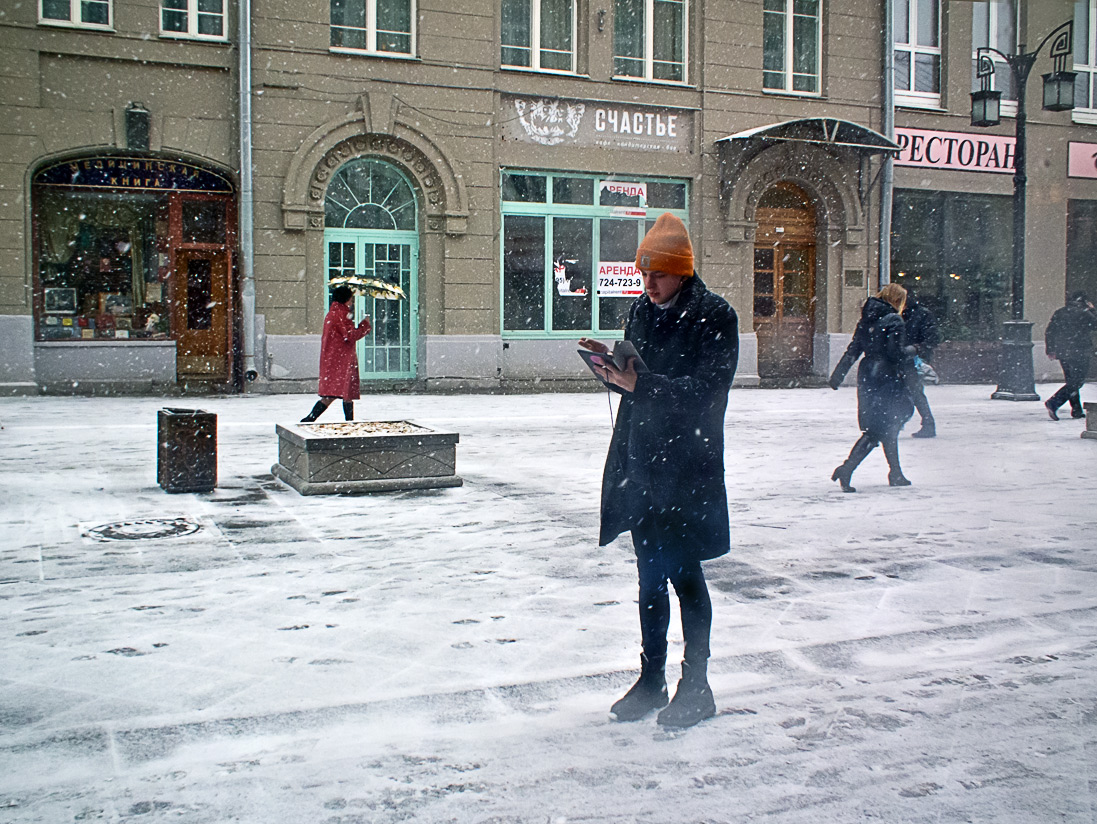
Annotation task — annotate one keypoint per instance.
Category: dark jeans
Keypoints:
(1074, 372)
(659, 561)
(917, 391)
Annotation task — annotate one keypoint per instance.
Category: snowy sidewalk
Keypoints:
(899, 655)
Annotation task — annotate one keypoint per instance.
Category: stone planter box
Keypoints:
(365, 456)
(1091, 421)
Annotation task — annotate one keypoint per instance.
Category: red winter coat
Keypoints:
(338, 358)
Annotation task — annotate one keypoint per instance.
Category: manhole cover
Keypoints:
(143, 530)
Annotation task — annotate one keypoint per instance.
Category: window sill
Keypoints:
(555, 72)
(193, 38)
(1086, 117)
(68, 24)
(365, 53)
(921, 105)
(787, 93)
(678, 84)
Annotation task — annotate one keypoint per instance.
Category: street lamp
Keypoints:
(1016, 381)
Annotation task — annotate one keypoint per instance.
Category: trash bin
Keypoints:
(186, 456)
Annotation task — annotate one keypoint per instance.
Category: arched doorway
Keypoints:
(784, 282)
(371, 230)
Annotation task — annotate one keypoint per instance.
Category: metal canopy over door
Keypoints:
(784, 283)
(371, 222)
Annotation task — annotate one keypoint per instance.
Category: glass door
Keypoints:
(388, 352)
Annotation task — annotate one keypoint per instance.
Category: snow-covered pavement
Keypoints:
(899, 655)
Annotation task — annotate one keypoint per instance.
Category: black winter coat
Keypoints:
(669, 435)
(921, 329)
(883, 402)
(1069, 335)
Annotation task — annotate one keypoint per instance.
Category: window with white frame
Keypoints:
(918, 52)
(1085, 61)
(539, 34)
(790, 45)
(91, 13)
(649, 39)
(994, 25)
(193, 18)
(375, 26)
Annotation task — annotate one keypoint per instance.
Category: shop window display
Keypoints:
(569, 248)
(101, 266)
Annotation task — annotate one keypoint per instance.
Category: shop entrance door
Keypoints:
(200, 314)
(784, 283)
(392, 256)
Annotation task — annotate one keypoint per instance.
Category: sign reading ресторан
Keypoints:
(552, 121)
(955, 150)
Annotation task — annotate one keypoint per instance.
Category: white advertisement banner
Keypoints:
(955, 150)
(552, 121)
(637, 190)
(619, 279)
(1082, 160)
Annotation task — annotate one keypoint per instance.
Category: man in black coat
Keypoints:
(921, 333)
(1069, 339)
(664, 474)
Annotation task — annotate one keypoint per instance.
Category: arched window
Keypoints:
(369, 194)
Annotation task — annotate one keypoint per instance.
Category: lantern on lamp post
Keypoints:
(1016, 380)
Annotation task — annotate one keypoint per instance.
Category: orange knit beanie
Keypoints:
(666, 248)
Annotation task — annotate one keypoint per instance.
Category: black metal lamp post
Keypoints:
(1016, 380)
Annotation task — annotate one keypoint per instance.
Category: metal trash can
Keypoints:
(186, 455)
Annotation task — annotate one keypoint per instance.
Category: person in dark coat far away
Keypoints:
(921, 333)
(1069, 339)
(338, 358)
(664, 474)
(883, 400)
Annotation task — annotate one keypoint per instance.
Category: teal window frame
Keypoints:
(549, 209)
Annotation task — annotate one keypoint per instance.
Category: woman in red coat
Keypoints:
(338, 358)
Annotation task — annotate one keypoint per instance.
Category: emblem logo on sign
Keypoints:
(549, 122)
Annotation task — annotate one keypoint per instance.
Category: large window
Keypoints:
(649, 39)
(193, 18)
(918, 52)
(378, 26)
(994, 24)
(790, 45)
(954, 253)
(569, 248)
(91, 13)
(539, 34)
(1085, 61)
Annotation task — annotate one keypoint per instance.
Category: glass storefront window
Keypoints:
(953, 252)
(102, 266)
(569, 248)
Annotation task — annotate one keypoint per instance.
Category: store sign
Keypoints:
(134, 173)
(619, 279)
(954, 150)
(1082, 160)
(637, 190)
(550, 121)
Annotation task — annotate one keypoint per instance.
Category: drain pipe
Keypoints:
(247, 209)
(888, 172)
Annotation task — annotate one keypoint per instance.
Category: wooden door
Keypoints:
(784, 283)
(200, 313)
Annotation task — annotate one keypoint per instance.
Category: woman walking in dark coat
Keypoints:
(883, 400)
(338, 357)
(664, 474)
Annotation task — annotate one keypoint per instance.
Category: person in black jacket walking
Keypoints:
(664, 473)
(1069, 339)
(921, 333)
(883, 400)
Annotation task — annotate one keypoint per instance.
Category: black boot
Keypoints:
(1051, 410)
(316, 412)
(928, 430)
(647, 694)
(860, 451)
(348, 410)
(693, 701)
(895, 472)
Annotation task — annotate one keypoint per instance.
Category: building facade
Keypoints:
(500, 161)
